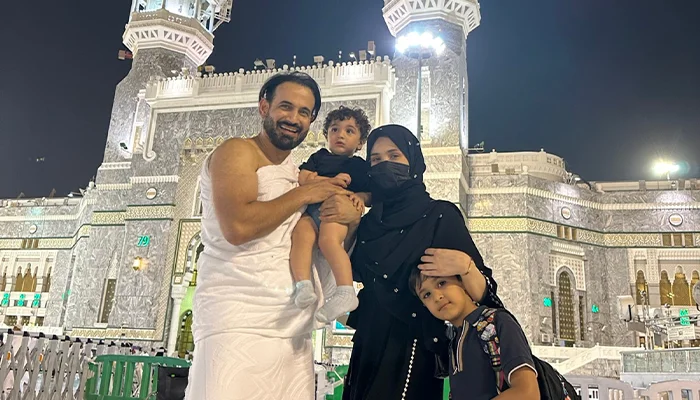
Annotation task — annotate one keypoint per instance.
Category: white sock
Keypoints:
(304, 294)
(343, 301)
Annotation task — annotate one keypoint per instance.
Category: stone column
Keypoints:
(178, 293)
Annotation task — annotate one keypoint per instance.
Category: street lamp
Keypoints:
(666, 168)
(420, 46)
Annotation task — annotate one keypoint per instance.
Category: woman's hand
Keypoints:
(340, 209)
(444, 262)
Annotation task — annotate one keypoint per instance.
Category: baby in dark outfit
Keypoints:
(346, 131)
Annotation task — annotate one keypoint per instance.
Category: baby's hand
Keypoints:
(345, 177)
(358, 203)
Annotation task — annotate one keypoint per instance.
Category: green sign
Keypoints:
(21, 302)
(144, 241)
(37, 300)
(547, 302)
(683, 312)
(595, 309)
(685, 321)
(5, 300)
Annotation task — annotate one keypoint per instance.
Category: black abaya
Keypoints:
(396, 338)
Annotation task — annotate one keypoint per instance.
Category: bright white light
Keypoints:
(663, 167)
(425, 41)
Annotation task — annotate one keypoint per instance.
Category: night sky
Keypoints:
(608, 85)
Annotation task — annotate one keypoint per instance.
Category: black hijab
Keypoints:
(401, 222)
(407, 204)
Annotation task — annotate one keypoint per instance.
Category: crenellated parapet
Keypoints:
(335, 80)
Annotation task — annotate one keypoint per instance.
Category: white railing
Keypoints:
(379, 72)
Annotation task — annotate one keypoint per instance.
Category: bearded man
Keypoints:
(251, 341)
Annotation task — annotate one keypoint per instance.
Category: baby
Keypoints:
(346, 131)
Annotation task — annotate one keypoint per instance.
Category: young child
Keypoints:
(471, 373)
(346, 131)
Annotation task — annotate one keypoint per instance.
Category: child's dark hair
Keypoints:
(416, 278)
(343, 113)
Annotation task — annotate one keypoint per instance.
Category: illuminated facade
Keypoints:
(121, 259)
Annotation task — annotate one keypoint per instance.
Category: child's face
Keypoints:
(344, 137)
(446, 298)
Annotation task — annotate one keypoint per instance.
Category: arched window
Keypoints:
(200, 248)
(695, 279)
(185, 340)
(681, 289)
(4, 279)
(28, 280)
(641, 286)
(665, 291)
(47, 282)
(18, 280)
(567, 321)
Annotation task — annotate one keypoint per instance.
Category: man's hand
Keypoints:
(345, 178)
(358, 203)
(340, 209)
(320, 191)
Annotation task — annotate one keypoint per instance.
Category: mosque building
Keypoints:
(120, 258)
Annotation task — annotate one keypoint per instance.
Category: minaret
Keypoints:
(444, 83)
(167, 38)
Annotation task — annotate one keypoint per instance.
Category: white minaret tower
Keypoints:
(164, 36)
(444, 73)
(432, 37)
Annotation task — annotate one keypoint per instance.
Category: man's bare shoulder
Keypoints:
(238, 151)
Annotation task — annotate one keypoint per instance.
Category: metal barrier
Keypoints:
(124, 377)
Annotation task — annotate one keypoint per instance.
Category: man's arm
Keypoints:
(306, 177)
(241, 217)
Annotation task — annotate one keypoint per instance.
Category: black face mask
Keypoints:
(388, 176)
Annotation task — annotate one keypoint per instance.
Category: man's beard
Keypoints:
(279, 139)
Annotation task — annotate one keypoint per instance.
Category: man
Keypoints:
(251, 341)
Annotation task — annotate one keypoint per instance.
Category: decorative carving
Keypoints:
(149, 212)
(108, 218)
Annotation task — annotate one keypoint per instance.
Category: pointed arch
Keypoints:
(19, 281)
(681, 288)
(567, 319)
(46, 287)
(665, 289)
(694, 279)
(641, 285)
(27, 279)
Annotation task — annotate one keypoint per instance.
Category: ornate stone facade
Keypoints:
(121, 258)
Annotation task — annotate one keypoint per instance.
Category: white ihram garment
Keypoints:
(251, 341)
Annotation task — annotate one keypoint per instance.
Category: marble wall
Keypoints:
(448, 80)
(148, 64)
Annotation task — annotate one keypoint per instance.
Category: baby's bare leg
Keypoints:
(303, 241)
(330, 241)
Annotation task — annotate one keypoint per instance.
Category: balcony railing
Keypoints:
(662, 361)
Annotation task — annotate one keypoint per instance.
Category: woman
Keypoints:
(398, 345)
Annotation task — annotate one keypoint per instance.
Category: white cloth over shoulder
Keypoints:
(248, 288)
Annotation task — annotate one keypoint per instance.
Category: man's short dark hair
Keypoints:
(268, 89)
(343, 113)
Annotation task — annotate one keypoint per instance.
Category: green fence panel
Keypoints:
(113, 376)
